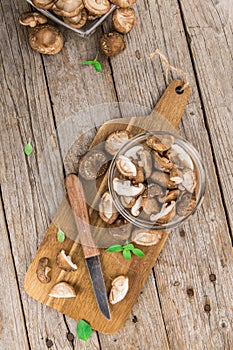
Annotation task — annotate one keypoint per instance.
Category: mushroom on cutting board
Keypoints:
(43, 270)
(46, 39)
(124, 20)
(120, 286)
(62, 290)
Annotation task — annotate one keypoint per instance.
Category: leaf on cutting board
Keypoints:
(115, 248)
(60, 236)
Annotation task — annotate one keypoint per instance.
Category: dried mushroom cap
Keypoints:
(112, 44)
(185, 204)
(93, 165)
(150, 205)
(166, 213)
(127, 202)
(120, 286)
(162, 163)
(163, 180)
(97, 7)
(145, 161)
(126, 167)
(91, 16)
(189, 182)
(43, 4)
(65, 263)
(125, 188)
(160, 143)
(176, 175)
(32, 19)
(107, 210)
(120, 229)
(124, 19)
(132, 153)
(180, 157)
(116, 140)
(123, 3)
(135, 210)
(42, 270)
(62, 290)
(67, 8)
(77, 21)
(46, 39)
(146, 237)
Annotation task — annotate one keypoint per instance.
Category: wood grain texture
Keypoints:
(12, 323)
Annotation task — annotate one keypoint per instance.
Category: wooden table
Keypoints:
(188, 300)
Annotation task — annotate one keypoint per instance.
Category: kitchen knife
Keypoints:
(77, 201)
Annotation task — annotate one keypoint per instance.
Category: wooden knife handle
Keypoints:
(77, 201)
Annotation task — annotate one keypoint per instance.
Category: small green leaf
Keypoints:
(97, 66)
(83, 330)
(129, 246)
(115, 248)
(126, 254)
(28, 149)
(60, 236)
(138, 252)
(88, 62)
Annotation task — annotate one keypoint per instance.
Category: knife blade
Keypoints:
(77, 201)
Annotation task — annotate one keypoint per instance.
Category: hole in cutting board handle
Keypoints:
(179, 91)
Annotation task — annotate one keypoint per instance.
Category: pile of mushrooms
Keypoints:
(46, 39)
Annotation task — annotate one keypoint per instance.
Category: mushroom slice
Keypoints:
(132, 152)
(32, 19)
(120, 286)
(176, 175)
(97, 7)
(162, 163)
(116, 140)
(126, 167)
(150, 205)
(43, 4)
(67, 8)
(160, 143)
(65, 263)
(135, 210)
(185, 204)
(107, 210)
(189, 182)
(46, 39)
(180, 157)
(62, 290)
(127, 202)
(123, 3)
(93, 165)
(172, 196)
(124, 20)
(146, 237)
(42, 270)
(155, 190)
(145, 161)
(166, 214)
(163, 180)
(112, 44)
(125, 188)
(77, 21)
(120, 229)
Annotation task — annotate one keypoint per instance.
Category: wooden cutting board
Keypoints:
(171, 107)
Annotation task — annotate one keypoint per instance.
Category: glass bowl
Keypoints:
(198, 174)
(87, 30)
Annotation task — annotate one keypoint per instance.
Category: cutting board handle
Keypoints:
(77, 201)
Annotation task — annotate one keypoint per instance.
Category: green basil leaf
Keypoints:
(114, 248)
(129, 246)
(88, 62)
(97, 66)
(28, 149)
(60, 236)
(83, 330)
(126, 254)
(138, 252)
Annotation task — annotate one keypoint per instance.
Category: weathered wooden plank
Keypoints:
(25, 113)
(209, 28)
(13, 331)
(207, 241)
